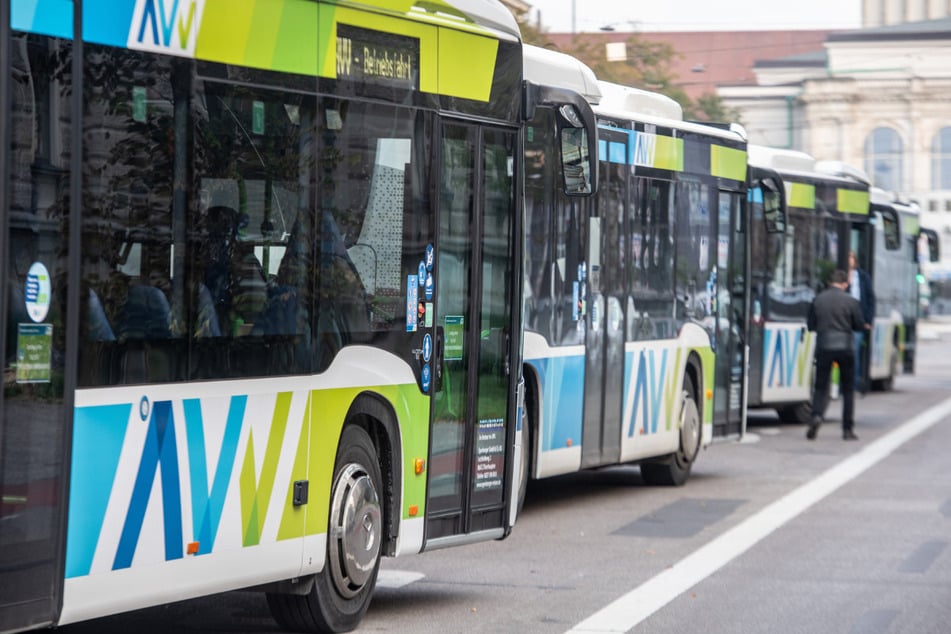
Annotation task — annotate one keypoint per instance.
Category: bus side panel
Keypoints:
(560, 373)
(788, 350)
(653, 393)
(887, 331)
(653, 380)
(180, 490)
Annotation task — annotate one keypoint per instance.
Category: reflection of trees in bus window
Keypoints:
(374, 202)
(696, 250)
(570, 268)
(539, 194)
(792, 287)
(651, 304)
(130, 223)
(193, 193)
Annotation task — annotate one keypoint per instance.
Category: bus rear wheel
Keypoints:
(674, 470)
(342, 590)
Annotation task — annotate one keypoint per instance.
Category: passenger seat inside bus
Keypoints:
(144, 321)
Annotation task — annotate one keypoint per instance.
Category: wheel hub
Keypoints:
(355, 535)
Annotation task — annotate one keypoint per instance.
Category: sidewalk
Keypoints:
(934, 327)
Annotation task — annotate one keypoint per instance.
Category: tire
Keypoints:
(342, 590)
(799, 413)
(674, 470)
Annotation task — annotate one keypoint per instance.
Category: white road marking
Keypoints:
(643, 601)
(395, 579)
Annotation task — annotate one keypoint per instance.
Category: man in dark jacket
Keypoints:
(834, 315)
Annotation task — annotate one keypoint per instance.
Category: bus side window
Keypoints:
(890, 230)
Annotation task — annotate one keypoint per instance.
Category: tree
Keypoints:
(646, 65)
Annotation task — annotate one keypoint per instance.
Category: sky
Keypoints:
(696, 15)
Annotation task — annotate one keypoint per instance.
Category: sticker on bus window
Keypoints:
(38, 292)
(412, 299)
(138, 104)
(257, 117)
(426, 377)
(34, 353)
(455, 336)
(490, 454)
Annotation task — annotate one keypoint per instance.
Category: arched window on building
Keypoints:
(941, 159)
(883, 158)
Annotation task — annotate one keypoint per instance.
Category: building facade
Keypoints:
(877, 98)
(889, 12)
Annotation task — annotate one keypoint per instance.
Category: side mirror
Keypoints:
(576, 160)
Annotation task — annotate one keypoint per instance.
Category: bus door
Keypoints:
(38, 365)
(473, 388)
(604, 334)
(730, 346)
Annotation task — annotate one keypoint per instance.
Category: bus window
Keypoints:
(890, 229)
(773, 208)
(652, 255)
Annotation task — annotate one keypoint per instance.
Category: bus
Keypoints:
(898, 244)
(633, 298)
(826, 214)
(261, 303)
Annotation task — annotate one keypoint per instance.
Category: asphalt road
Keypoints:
(772, 534)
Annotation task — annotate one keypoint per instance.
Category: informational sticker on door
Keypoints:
(455, 337)
(490, 454)
(412, 310)
(38, 292)
(34, 353)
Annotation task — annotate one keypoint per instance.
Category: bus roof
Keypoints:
(843, 170)
(488, 13)
(550, 68)
(881, 196)
(625, 98)
(781, 159)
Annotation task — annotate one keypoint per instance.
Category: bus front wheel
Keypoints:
(673, 470)
(342, 590)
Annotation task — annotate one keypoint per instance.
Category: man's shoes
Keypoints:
(813, 427)
(848, 434)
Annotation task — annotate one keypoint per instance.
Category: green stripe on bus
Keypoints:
(851, 201)
(727, 162)
(297, 39)
(910, 225)
(256, 492)
(284, 34)
(328, 411)
(292, 520)
(458, 76)
(801, 195)
(299, 36)
(669, 153)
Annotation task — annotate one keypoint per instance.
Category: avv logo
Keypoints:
(166, 26)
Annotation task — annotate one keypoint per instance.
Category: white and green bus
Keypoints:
(634, 299)
(825, 215)
(898, 243)
(260, 308)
